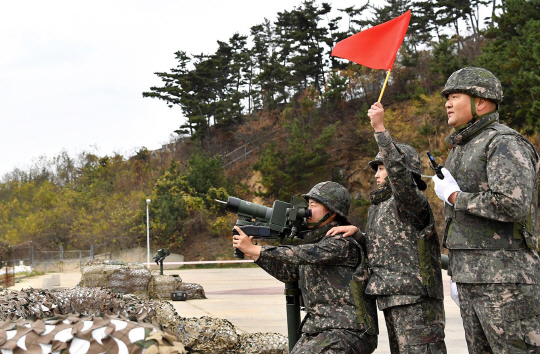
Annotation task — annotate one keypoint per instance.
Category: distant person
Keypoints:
(330, 270)
(490, 190)
(402, 248)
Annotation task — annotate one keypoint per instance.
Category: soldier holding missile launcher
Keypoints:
(332, 273)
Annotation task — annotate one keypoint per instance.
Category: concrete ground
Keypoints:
(253, 301)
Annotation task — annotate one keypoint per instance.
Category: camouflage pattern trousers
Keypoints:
(416, 328)
(501, 318)
(335, 341)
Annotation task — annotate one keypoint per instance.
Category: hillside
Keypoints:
(266, 117)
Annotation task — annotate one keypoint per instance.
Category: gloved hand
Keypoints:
(445, 187)
(453, 292)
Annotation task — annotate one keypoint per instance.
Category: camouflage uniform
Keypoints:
(404, 255)
(325, 268)
(491, 231)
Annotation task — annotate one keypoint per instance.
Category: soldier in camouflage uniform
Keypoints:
(331, 272)
(403, 248)
(490, 194)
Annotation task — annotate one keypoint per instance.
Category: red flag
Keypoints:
(377, 46)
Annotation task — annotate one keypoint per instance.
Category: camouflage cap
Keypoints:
(412, 161)
(475, 82)
(412, 157)
(333, 196)
(376, 162)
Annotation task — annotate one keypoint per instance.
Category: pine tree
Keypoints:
(514, 57)
(302, 38)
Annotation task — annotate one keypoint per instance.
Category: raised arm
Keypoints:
(404, 188)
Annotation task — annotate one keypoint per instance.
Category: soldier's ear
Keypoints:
(483, 105)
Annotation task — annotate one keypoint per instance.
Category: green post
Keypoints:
(444, 261)
(292, 298)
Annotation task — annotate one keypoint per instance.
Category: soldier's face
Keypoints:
(381, 174)
(317, 210)
(458, 108)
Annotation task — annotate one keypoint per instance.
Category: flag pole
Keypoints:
(384, 86)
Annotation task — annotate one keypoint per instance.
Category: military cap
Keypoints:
(333, 196)
(475, 82)
(412, 161)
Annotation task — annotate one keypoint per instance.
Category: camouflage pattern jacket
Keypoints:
(401, 242)
(492, 229)
(324, 268)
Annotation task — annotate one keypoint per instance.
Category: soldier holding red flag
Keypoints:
(401, 243)
(402, 248)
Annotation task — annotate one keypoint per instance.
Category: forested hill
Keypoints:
(271, 113)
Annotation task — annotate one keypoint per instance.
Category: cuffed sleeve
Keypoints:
(410, 201)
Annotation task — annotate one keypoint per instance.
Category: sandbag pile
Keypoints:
(135, 278)
(161, 286)
(124, 278)
(194, 291)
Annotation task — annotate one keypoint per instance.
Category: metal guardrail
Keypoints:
(200, 262)
(238, 154)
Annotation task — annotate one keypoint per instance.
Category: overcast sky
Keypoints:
(72, 72)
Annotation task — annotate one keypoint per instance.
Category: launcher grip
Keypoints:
(250, 230)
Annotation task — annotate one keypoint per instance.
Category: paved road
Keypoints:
(254, 302)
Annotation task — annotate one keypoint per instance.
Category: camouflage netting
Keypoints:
(74, 334)
(198, 335)
(194, 291)
(269, 343)
(39, 303)
(161, 286)
(125, 278)
(156, 273)
(135, 278)
(207, 334)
